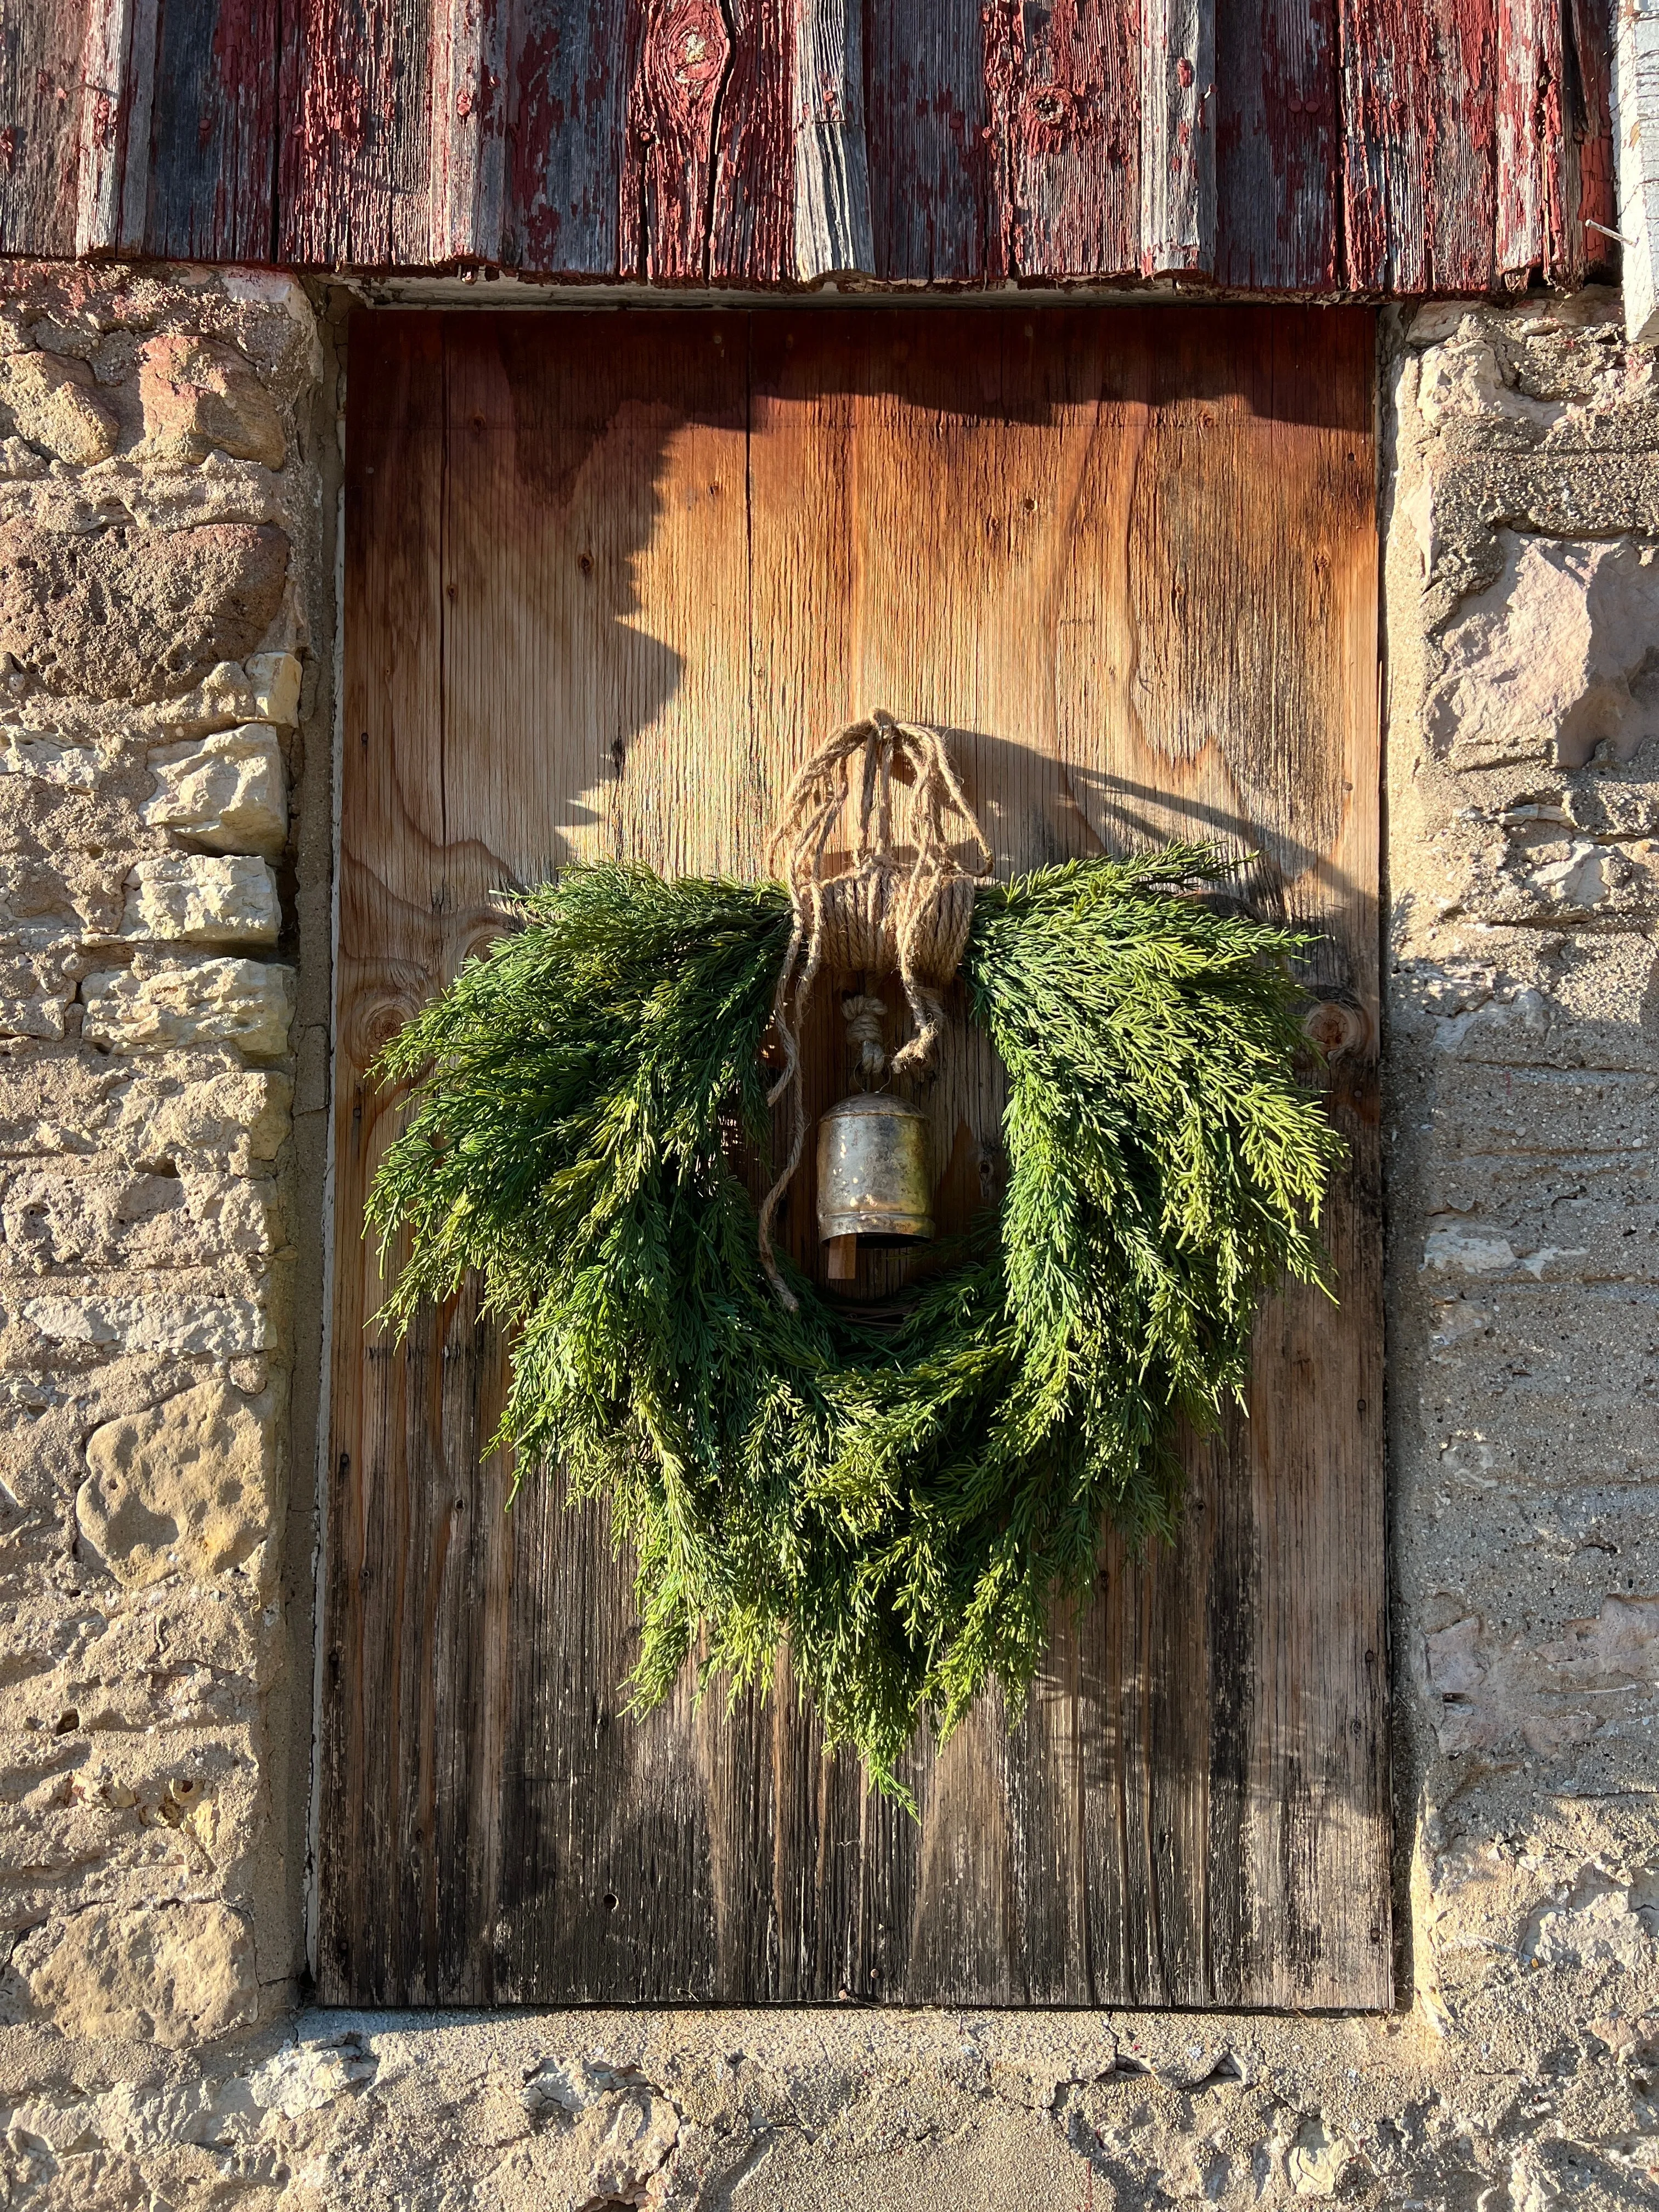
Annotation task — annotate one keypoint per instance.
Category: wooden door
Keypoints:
(609, 578)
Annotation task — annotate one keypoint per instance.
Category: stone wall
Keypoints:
(166, 522)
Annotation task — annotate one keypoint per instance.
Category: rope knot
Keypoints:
(878, 914)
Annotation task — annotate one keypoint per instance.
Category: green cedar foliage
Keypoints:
(897, 1503)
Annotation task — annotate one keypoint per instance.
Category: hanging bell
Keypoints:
(873, 1184)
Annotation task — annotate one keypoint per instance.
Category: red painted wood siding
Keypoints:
(1374, 147)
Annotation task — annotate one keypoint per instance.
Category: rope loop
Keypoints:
(878, 915)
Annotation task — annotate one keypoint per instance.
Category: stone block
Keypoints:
(242, 1120)
(245, 1003)
(72, 767)
(1554, 658)
(189, 899)
(199, 397)
(177, 1975)
(187, 1488)
(54, 404)
(265, 688)
(61, 1216)
(186, 1323)
(227, 792)
(137, 614)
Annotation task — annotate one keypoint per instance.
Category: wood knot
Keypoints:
(1337, 1028)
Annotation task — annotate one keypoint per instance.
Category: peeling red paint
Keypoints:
(1390, 146)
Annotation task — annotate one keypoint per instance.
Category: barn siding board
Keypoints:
(212, 142)
(926, 118)
(578, 548)
(1590, 143)
(751, 219)
(354, 172)
(1177, 138)
(42, 44)
(1463, 182)
(116, 99)
(572, 65)
(832, 157)
(1277, 147)
(1064, 105)
(1387, 71)
(1529, 205)
(685, 49)
(470, 97)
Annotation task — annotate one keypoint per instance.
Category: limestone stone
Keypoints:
(245, 1003)
(190, 899)
(56, 1216)
(137, 614)
(199, 397)
(174, 1975)
(54, 403)
(75, 768)
(226, 792)
(264, 688)
(202, 1324)
(1555, 659)
(186, 1488)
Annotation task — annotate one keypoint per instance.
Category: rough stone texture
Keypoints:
(198, 398)
(176, 1975)
(227, 792)
(188, 899)
(135, 614)
(53, 403)
(160, 1157)
(154, 1608)
(246, 1003)
(189, 1487)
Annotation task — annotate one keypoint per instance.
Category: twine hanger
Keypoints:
(878, 916)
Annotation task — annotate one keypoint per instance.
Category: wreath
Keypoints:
(895, 1495)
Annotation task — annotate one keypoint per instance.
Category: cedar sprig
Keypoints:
(900, 1507)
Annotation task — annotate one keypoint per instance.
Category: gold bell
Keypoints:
(873, 1184)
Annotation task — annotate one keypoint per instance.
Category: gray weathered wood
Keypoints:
(832, 177)
(1177, 138)
(117, 95)
(1636, 105)
(467, 185)
(1128, 558)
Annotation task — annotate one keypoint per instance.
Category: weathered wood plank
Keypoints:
(1420, 150)
(391, 949)
(751, 221)
(571, 63)
(1141, 592)
(1591, 146)
(42, 43)
(925, 116)
(832, 160)
(117, 93)
(1278, 147)
(1387, 132)
(213, 130)
(354, 171)
(1530, 214)
(685, 49)
(1063, 88)
(1177, 138)
(467, 185)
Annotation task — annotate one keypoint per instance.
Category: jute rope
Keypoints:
(878, 916)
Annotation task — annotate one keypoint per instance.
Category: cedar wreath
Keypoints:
(897, 1503)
